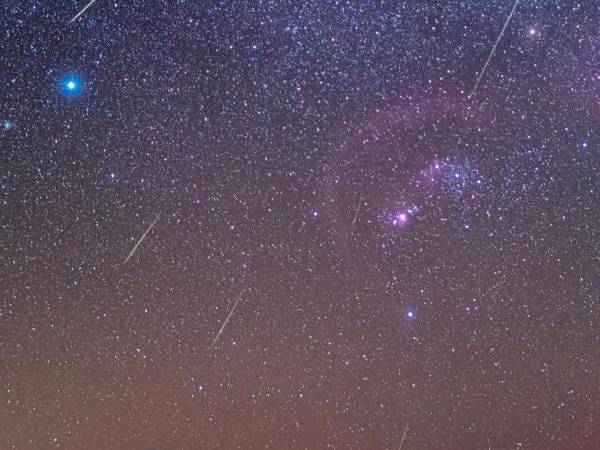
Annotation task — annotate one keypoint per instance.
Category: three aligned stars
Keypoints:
(72, 86)
(353, 202)
(399, 218)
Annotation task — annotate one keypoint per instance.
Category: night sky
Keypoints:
(336, 246)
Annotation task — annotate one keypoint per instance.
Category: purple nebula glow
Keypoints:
(400, 219)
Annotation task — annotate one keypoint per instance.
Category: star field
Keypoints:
(287, 225)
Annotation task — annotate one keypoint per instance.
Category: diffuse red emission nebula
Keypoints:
(300, 225)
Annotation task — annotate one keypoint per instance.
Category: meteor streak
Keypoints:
(82, 11)
(403, 436)
(493, 49)
(141, 239)
(356, 214)
(226, 320)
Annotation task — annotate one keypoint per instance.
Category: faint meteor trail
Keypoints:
(226, 320)
(356, 214)
(403, 436)
(140, 241)
(82, 11)
(493, 49)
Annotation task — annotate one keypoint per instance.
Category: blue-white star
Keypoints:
(71, 85)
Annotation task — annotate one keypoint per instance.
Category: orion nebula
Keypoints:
(300, 225)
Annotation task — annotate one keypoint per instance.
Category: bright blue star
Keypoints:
(7, 125)
(71, 85)
(410, 314)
